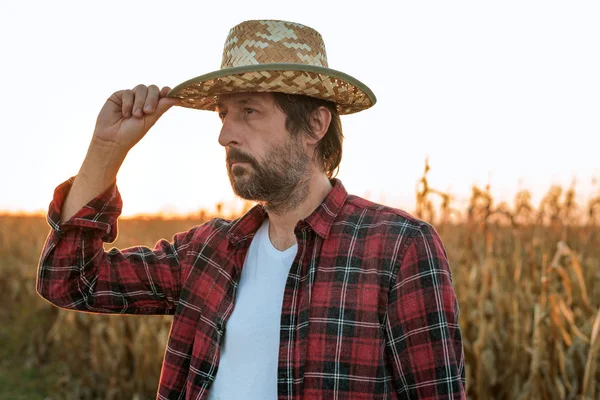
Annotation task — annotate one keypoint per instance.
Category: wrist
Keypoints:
(107, 148)
(102, 162)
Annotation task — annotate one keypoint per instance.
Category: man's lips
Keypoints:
(239, 164)
(238, 158)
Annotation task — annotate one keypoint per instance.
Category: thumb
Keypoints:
(163, 105)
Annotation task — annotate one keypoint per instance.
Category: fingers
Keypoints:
(144, 100)
(164, 91)
(151, 99)
(140, 92)
(126, 102)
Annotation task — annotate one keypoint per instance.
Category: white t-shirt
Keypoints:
(250, 348)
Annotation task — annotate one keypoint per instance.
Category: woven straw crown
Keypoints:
(262, 42)
(275, 56)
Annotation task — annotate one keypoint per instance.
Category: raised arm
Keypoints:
(74, 270)
(125, 118)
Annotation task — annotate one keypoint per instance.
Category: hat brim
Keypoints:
(348, 93)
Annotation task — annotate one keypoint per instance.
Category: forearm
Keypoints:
(77, 274)
(75, 271)
(97, 173)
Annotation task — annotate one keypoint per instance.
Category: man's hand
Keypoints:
(123, 121)
(127, 115)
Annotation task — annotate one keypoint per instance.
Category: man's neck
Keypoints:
(281, 225)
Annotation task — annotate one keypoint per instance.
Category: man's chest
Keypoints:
(330, 316)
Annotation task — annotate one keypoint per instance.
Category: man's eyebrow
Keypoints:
(240, 102)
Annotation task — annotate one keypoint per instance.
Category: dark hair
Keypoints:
(299, 110)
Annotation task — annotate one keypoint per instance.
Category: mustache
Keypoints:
(235, 155)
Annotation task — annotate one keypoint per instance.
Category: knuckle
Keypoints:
(140, 89)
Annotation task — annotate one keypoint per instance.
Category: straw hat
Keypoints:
(275, 56)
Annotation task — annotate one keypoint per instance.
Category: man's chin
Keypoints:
(243, 194)
(239, 184)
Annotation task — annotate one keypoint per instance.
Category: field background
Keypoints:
(527, 279)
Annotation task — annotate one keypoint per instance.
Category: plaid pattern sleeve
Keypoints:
(423, 338)
(75, 272)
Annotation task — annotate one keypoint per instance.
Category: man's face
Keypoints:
(264, 161)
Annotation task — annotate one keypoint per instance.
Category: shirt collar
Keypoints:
(320, 220)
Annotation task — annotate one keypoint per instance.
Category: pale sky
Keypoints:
(500, 92)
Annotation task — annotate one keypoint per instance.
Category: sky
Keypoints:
(505, 93)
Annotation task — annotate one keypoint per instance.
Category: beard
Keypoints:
(280, 182)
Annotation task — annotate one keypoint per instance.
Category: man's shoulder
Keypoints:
(214, 228)
(374, 213)
(388, 224)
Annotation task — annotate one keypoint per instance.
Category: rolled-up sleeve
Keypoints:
(75, 272)
(423, 338)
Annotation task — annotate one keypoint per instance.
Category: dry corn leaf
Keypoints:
(581, 280)
(557, 321)
(566, 281)
(591, 364)
(571, 320)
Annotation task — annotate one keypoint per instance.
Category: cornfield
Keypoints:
(527, 280)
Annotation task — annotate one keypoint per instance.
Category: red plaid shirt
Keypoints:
(369, 310)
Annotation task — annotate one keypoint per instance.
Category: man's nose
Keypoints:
(230, 133)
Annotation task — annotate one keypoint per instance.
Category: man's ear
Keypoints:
(319, 123)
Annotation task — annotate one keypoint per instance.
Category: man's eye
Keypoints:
(222, 114)
(249, 110)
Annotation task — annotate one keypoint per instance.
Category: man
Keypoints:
(314, 293)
